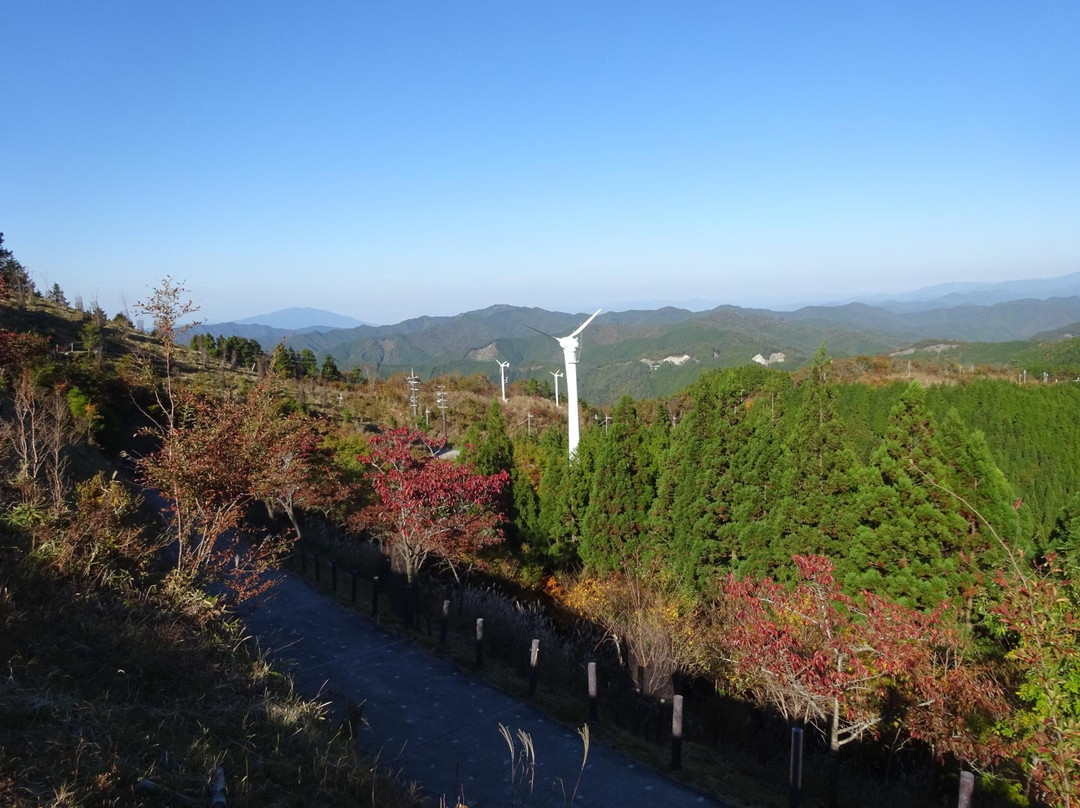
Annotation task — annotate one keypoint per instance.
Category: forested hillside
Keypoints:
(888, 563)
(627, 350)
(759, 468)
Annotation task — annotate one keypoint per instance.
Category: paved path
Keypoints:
(434, 722)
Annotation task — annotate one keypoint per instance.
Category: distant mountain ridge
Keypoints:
(298, 318)
(624, 352)
(952, 295)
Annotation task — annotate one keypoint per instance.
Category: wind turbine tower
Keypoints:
(571, 351)
(555, 374)
(502, 376)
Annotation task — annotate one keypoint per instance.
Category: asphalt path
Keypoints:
(435, 723)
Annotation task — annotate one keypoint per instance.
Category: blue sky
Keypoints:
(387, 160)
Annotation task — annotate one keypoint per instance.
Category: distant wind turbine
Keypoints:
(502, 375)
(555, 374)
(570, 346)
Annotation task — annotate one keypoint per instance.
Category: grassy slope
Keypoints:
(114, 674)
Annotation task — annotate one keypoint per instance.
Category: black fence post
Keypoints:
(479, 642)
(676, 732)
(303, 559)
(318, 566)
(375, 597)
(410, 600)
(534, 657)
(661, 714)
(594, 704)
(795, 774)
(445, 622)
(352, 588)
(333, 576)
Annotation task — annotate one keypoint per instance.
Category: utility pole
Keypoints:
(414, 393)
(556, 374)
(440, 402)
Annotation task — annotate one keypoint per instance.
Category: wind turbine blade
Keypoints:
(581, 327)
(538, 331)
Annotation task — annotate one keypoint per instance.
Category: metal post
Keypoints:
(318, 566)
(352, 588)
(303, 559)
(444, 623)
(375, 597)
(479, 642)
(333, 575)
(795, 773)
(534, 657)
(594, 705)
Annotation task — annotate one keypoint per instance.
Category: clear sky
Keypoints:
(391, 159)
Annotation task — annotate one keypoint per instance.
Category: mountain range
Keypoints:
(656, 352)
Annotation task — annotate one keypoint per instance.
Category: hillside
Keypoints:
(625, 352)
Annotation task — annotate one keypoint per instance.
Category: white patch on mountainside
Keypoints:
(486, 354)
(671, 360)
(775, 356)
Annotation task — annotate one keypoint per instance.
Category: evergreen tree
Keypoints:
(1064, 541)
(308, 365)
(14, 279)
(815, 514)
(911, 534)
(623, 487)
(56, 295)
(984, 494)
(557, 520)
(93, 335)
(488, 446)
(756, 469)
(330, 370)
(489, 449)
(692, 518)
(284, 360)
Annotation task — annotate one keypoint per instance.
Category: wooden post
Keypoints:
(333, 575)
(594, 705)
(967, 789)
(318, 566)
(534, 657)
(445, 622)
(375, 597)
(795, 772)
(479, 642)
(676, 732)
(352, 588)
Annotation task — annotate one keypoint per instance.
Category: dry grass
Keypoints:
(117, 693)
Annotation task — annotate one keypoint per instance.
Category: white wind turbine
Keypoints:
(570, 346)
(555, 374)
(502, 376)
